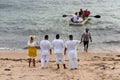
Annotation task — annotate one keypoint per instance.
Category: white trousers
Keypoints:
(73, 59)
(59, 56)
(45, 60)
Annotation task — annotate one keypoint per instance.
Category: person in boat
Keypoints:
(80, 19)
(80, 13)
(32, 45)
(86, 13)
(75, 18)
(86, 36)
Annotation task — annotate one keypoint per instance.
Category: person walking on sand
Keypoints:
(45, 47)
(58, 47)
(86, 36)
(32, 50)
(71, 49)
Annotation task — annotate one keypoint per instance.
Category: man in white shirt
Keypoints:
(45, 47)
(71, 46)
(58, 47)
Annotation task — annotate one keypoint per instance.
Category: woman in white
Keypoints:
(72, 52)
(58, 47)
(45, 47)
(32, 45)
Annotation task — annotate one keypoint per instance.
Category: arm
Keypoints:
(90, 38)
(82, 38)
(65, 51)
(50, 51)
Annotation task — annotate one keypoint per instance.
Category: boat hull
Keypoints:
(79, 24)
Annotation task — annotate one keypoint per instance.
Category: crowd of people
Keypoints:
(59, 48)
(80, 16)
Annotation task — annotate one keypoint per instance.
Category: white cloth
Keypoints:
(45, 46)
(31, 44)
(75, 18)
(58, 47)
(59, 56)
(80, 19)
(71, 46)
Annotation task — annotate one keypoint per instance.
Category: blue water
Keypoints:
(21, 18)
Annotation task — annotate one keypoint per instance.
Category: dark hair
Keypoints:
(31, 38)
(46, 36)
(57, 36)
(70, 37)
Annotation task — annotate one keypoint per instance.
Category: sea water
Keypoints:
(21, 18)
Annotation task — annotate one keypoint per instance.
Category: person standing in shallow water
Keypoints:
(58, 47)
(85, 38)
(32, 50)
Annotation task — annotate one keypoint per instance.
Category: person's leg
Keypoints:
(33, 62)
(63, 61)
(47, 60)
(71, 63)
(57, 60)
(85, 46)
(42, 61)
(87, 43)
(75, 63)
(29, 60)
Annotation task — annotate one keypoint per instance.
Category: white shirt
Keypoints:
(80, 19)
(32, 44)
(71, 46)
(45, 46)
(58, 45)
(75, 18)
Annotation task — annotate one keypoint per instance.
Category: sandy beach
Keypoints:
(91, 66)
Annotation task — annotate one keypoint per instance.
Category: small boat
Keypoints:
(79, 24)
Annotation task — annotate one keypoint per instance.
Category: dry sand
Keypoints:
(91, 66)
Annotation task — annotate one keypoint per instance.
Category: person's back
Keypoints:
(80, 12)
(45, 45)
(75, 18)
(58, 45)
(71, 44)
(86, 13)
(72, 52)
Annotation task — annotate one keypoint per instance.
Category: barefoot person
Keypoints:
(45, 47)
(86, 36)
(58, 47)
(32, 50)
(71, 46)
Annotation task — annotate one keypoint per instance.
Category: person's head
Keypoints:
(86, 29)
(71, 37)
(32, 37)
(57, 36)
(75, 13)
(46, 37)
(81, 10)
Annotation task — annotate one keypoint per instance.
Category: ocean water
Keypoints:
(21, 18)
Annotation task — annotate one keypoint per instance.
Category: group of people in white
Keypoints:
(60, 49)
